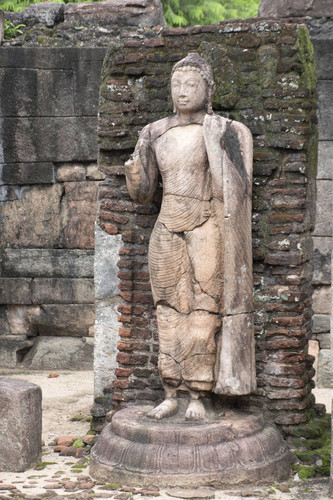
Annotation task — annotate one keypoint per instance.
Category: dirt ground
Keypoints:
(71, 394)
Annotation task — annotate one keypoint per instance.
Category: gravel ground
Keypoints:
(71, 394)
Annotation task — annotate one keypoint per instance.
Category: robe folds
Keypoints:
(200, 252)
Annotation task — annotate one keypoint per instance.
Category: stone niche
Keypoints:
(265, 78)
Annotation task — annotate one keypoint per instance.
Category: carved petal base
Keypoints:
(239, 447)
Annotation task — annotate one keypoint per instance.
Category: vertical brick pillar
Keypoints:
(265, 78)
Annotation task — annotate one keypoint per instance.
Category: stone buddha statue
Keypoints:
(200, 251)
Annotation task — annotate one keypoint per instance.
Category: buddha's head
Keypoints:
(192, 85)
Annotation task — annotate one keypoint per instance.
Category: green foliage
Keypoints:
(11, 31)
(192, 12)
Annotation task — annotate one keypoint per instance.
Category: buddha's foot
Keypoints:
(195, 410)
(165, 409)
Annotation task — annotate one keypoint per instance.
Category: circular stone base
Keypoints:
(219, 451)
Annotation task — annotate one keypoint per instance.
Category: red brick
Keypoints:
(287, 229)
(110, 229)
(125, 309)
(125, 285)
(142, 298)
(125, 332)
(126, 296)
(289, 321)
(124, 319)
(128, 58)
(123, 372)
(154, 42)
(285, 217)
(121, 384)
(125, 275)
(175, 31)
(125, 263)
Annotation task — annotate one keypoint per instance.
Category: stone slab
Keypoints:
(43, 57)
(323, 47)
(15, 290)
(67, 353)
(325, 110)
(107, 300)
(21, 425)
(234, 449)
(322, 249)
(323, 224)
(81, 199)
(63, 291)
(28, 173)
(66, 319)
(321, 323)
(322, 300)
(30, 96)
(296, 8)
(35, 218)
(45, 262)
(325, 160)
(325, 369)
(12, 349)
(44, 138)
(324, 340)
(117, 12)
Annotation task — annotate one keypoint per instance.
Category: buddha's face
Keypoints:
(189, 91)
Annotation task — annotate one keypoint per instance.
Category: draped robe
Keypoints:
(200, 252)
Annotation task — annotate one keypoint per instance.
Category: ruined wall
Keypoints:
(320, 24)
(50, 78)
(265, 78)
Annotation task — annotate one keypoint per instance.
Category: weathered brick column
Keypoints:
(265, 78)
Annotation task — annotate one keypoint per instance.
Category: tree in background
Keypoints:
(177, 12)
(192, 12)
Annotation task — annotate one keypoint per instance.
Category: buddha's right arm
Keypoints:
(141, 170)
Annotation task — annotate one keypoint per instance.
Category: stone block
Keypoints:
(63, 291)
(30, 96)
(325, 110)
(69, 319)
(35, 218)
(43, 139)
(325, 160)
(323, 48)
(321, 323)
(4, 325)
(22, 320)
(105, 266)
(43, 13)
(323, 225)
(82, 209)
(325, 369)
(21, 424)
(324, 340)
(322, 248)
(44, 262)
(15, 291)
(70, 172)
(13, 349)
(128, 13)
(28, 173)
(322, 300)
(94, 174)
(65, 353)
(297, 8)
(107, 300)
(37, 57)
(87, 82)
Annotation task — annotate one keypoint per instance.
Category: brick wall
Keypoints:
(265, 78)
(49, 86)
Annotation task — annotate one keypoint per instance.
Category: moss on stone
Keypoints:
(313, 447)
(306, 55)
